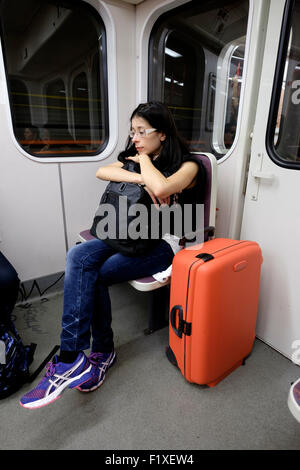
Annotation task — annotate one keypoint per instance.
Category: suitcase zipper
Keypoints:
(186, 327)
(205, 257)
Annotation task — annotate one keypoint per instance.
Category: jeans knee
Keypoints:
(73, 256)
(84, 255)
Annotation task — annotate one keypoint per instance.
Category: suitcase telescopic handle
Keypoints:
(174, 310)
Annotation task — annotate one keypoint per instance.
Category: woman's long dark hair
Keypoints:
(173, 147)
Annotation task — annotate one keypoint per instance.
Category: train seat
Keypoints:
(158, 290)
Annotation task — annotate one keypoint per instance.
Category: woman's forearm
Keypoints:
(113, 173)
(163, 187)
(151, 176)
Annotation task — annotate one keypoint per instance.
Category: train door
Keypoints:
(272, 212)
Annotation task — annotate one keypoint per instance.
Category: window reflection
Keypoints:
(43, 45)
(196, 68)
(233, 94)
(81, 110)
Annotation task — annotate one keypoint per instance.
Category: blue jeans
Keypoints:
(91, 268)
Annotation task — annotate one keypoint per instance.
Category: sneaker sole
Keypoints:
(293, 405)
(58, 392)
(112, 362)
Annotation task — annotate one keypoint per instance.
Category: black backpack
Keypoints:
(135, 194)
(15, 359)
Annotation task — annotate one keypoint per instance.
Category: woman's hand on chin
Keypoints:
(137, 158)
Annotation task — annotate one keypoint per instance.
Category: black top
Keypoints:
(192, 196)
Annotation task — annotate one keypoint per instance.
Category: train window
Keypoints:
(283, 139)
(56, 112)
(81, 107)
(196, 58)
(56, 103)
(20, 104)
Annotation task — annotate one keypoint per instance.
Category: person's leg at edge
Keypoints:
(9, 286)
(72, 367)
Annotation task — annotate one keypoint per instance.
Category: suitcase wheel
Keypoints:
(171, 356)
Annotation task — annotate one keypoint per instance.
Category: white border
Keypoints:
(221, 102)
(245, 74)
(107, 19)
(142, 59)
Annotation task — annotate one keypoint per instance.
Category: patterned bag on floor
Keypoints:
(15, 359)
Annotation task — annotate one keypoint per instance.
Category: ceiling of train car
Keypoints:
(37, 33)
(46, 62)
(19, 22)
(217, 29)
(30, 32)
(26, 13)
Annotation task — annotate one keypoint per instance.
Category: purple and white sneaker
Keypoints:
(100, 362)
(59, 376)
(294, 400)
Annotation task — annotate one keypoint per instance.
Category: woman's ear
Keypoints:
(163, 137)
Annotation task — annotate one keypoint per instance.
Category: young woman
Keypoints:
(155, 146)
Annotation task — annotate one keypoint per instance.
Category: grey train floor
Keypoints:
(145, 402)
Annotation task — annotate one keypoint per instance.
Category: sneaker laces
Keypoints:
(94, 358)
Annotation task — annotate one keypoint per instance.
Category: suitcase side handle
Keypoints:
(174, 310)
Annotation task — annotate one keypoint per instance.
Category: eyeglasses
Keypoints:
(141, 133)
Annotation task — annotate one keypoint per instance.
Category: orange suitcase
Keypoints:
(213, 308)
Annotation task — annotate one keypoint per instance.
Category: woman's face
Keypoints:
(151, 144)
(28, 135)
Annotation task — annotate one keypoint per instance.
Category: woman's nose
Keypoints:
(135, 138)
